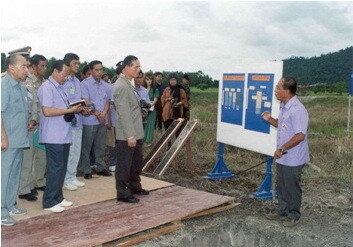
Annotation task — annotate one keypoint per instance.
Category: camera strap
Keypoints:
(65, 102)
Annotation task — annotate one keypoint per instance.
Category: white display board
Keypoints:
(246, 89)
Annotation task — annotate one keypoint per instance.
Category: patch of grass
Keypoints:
(329, 148)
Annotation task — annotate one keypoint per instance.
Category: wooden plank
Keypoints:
(155, 233)
(102, 222)
(162, 142)
(177, 145)
(213, 210)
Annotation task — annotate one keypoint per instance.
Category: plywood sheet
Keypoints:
(101, 222)
(96, 190)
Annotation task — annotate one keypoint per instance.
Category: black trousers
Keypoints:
(289, 190)
(128, 168)
(57, 157)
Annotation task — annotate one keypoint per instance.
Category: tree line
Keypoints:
(332, 69)
(197, 79)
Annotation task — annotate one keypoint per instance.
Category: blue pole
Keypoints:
(265, 190)
(220, 170)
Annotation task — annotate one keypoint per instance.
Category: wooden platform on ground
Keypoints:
(97, 189)
(101, 222)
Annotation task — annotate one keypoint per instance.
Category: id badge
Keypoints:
(72, 90)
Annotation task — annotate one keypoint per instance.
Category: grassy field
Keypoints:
(330, 149)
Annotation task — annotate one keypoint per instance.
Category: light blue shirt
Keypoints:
(14, 112)
(293, 119)
(54, 130)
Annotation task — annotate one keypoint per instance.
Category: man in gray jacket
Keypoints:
(129, 133)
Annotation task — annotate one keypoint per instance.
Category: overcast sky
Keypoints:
(177, 36)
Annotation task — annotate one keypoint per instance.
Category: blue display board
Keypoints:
(350, 90)
(260, 90)
(232, 98)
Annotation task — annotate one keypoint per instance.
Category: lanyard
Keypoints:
(65, 102)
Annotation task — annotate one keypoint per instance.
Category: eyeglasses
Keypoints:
(135, 67)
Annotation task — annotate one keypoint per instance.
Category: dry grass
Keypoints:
(330, 149)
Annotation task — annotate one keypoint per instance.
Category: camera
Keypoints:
(175, 101)
(68, 117)
(144, 104)
(91, 107)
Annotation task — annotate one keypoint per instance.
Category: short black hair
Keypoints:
(69, 57)
(94, 62)
(85, 69)
(158, 73)
(126, 62)
(11, 60)
(119, 68)
(186, 77)
(290, 84)
(129, 60)
(35, 59)
(58, 65)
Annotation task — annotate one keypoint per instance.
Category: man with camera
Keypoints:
(142, 94)
(94, 131)
(129, 133)
(55, 132)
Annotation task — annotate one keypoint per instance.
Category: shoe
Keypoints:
(88, 176)
(65, 203)
(34, 192)
(104, 173)
(275, 216)
(55, 209)
(78, 183)
(40, 188)
(290, 222)
(141, 192)
(29, 197)
(70, 186)
(112, 168)
(129, 199)
(8, 221)
(17, 211)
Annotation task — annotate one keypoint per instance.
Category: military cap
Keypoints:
(24, 51)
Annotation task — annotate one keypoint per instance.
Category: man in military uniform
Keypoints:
(33, 168)
(14, 134)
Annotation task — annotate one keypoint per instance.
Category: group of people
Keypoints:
(57, 129)
(62, 124)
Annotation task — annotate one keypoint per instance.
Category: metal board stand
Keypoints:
(220, 170)
(265, 190)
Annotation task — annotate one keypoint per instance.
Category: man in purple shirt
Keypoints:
(292, 125)
(72, 88)
(94, 126)
(55, 132)
(142, 93)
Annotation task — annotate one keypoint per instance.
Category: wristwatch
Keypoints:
(281, 150)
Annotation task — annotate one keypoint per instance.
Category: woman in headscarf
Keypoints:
(174, 101)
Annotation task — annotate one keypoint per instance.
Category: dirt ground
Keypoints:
(327, 208)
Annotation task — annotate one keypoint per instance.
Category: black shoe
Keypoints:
(29, 197)
(40, 188)
(129, 199)
(141, 192)
(104, 173)
(34, 192)
(88, 176)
